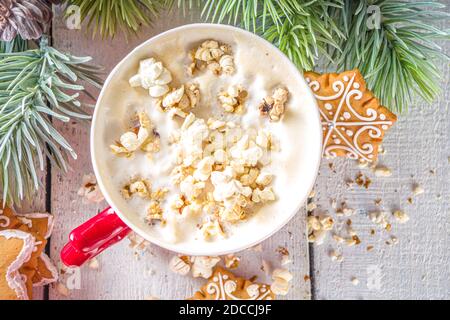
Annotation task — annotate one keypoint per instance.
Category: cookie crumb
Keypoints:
(418, 190)
(400, 216)
(355, 281)
(382, 172)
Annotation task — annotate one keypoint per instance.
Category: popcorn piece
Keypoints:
(90, 189)
(263, 195)
(143, 136)
(181, 100)
(211, 229)
(154, 211)
(141, 187)
(94, 264)
(62, 289)
(400, 216)
(382, 172)
(203, 266)
(318, 227)
(380, 218)
(138, 244)
(152, 75)
(264, 178)
(214, 56)
(335, 256)
(355, 281)
(274, 106)
(281, 279)
(233, 99)
(232, 261)
(285, 257)
(418, 190)
(191, 188)
(180, 265)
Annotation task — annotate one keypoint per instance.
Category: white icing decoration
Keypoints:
(6, 221)
(345, 93)
(328, 106)
(222, 289)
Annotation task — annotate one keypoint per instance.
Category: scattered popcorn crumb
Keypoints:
(90, 189)
(355, 281)
(266, 267)
(94, 264)
(380, 218)
(382, 171)
(401, 216)
(335, 256)
(318, 227)
(285, 256)
(232, 261)
(180, 265)
(362, 180)
(392, 241)
(257, 248)
(62, 289)
(311, 206)
(203, 266)
(138, 244)
(281, 279)
(418, 190)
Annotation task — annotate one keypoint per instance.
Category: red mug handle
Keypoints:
(92, 237)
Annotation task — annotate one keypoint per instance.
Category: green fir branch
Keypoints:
(107, 17)
(397, 57)
(36, 86)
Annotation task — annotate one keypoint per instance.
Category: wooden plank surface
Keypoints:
(417, 151)
(120, 274)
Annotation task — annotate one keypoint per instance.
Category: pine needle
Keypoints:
(396, 57)
(107, 17)
(37, 85)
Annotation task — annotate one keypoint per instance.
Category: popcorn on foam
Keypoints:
(216, 153)
(152, 75)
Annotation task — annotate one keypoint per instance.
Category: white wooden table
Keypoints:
(418, 151)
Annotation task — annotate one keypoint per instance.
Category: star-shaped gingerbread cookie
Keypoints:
(353, 121)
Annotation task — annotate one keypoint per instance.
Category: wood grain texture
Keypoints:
(121, 275)
(418, 151)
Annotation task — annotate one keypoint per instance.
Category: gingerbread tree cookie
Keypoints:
(223, 285)
(353, 121)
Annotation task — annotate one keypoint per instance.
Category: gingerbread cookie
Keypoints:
(39, 270)
(46, 271)
(353, 121)
(16, 248)
(223, 285)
